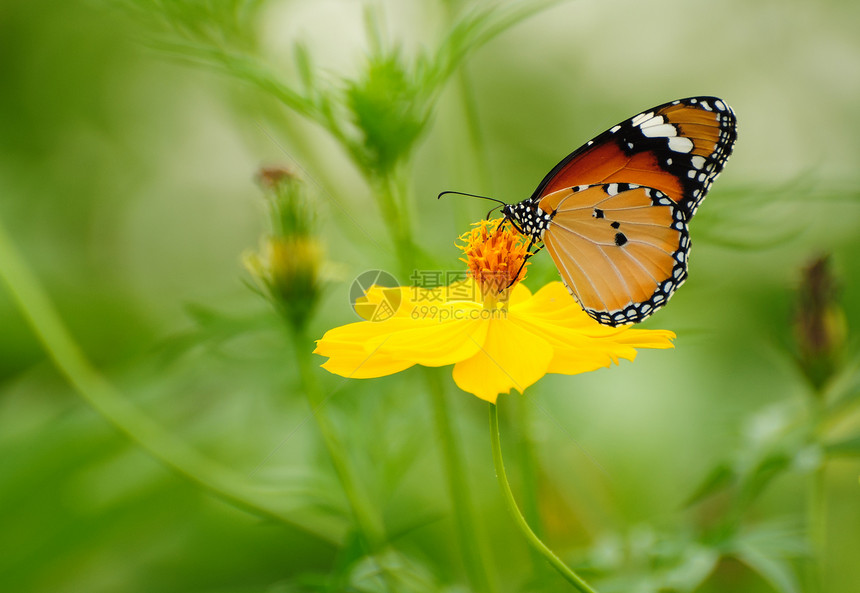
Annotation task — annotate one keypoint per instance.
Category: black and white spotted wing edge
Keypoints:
(695, 172)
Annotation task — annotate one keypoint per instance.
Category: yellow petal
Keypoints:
(511, 357)
(360, 333)
(648, 338)
(553, 302)
(366, 349)
(580, 344)
(382, 303)
(434, 343)
(360, 365)
(519, 294)
(346, 347)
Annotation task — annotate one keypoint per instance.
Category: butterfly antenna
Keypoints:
(487, 217)
(459, 193)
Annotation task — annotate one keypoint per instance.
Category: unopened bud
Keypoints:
(287, 267)
(288, 270)
(819, 324)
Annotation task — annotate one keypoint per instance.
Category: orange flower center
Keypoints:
(496, 258)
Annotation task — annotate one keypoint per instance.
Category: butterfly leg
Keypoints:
(500, 226)
(529, 254)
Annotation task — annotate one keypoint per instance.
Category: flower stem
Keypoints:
(528, 464)
(817, 504)
(511, 504)
(368, 522)
(472, 545)
(35, 306)
(393, 201)
(816, 527)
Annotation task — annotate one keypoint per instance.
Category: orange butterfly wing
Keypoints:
(678, 148)
(621, 249)
(618, 207)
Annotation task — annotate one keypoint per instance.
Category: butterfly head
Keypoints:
(527, 218)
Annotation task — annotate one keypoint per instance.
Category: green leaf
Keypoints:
(648, 561)
(386, 108)
(717, 480)
(304, 66)
(391, 571)
(776, 571)
(694, 566)
(849, 447)
(763, 473)
(768, 550)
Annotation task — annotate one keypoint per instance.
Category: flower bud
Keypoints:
(287, 267)
(819, 323)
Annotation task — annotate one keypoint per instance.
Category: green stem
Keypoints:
(401, 183)
(473, 125)
(511, 504)
(368, 522)
(816, 527)
(817, 502)
(393, 204)
(528, 465)
(472, 545)
(37, 309)
(837, 414)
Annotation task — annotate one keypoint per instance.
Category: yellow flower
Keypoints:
(496, 333)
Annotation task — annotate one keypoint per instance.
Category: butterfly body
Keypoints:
(614, 214)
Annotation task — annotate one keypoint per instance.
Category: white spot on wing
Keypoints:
(653, 121)
(641, 117)
(663, 130)
(615, 129)
(697, 161)
(680, 144)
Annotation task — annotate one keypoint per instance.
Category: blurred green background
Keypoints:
(127, 182)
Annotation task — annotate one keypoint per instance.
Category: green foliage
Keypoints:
(218, 23)
(383, 106)
(768, 550)
(645, 561)
(849, 447)
(388, 104)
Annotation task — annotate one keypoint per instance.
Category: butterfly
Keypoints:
(614, 213)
